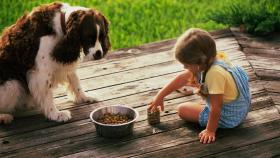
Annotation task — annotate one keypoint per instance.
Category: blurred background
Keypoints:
(135, 22)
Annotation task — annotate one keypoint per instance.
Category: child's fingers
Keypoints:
(213, 139)
(199, 135)
(151, 105)
(210, 139)
(202, 139)
(205, 139)
(162, 107)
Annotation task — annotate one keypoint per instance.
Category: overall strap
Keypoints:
(240, 76)
(200, 75)
(223, 64)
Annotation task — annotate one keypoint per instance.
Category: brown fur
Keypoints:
(80, 32)
(20, 42)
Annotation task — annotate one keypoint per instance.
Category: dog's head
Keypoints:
(94, 35)
(91, 30)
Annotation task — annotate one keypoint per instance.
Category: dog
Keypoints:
(41, 50)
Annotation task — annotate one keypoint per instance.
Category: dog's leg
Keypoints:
(11, 96)
(76, 91)
(40, 87)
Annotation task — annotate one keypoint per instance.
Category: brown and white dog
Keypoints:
(42, 50)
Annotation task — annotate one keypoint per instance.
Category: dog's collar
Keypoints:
(63, 25)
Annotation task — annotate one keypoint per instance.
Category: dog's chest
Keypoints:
(56, 71)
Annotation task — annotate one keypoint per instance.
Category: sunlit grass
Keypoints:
(133, 22)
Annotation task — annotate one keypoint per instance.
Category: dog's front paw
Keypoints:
(6, 118)
(85, 99)
(60, 116)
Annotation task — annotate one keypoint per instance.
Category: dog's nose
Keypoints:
(97, 55)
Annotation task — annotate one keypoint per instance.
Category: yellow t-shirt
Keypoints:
(220, 81)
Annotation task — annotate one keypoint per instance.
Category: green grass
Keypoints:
(133, 22)
(259, 17)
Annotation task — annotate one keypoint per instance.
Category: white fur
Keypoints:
(93, 50)
(10, 94)
(45, 75)
(67, 9)
(48, 74)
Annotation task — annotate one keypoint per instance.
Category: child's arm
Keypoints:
(208, 135)
(179, 81)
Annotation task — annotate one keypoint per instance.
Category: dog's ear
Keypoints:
(86, 24)
(105, 39)
(68, 49)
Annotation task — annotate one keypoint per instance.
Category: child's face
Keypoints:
(192, 67)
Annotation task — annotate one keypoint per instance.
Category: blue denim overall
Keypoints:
(234, 112)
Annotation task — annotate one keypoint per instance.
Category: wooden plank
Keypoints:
(272, 86)
(159, 46)
(22, 125)
(259, 101)
(121, 90)
(262, 52)
(265, 74)
(265, 63)
(68, 130)
(170, 140)
(64, 104)
(276, 100)
(126, 76)
(131, 77)
(222, 33)
(110, 93)
(144, 133)
(34, 137)
(265, 67)
(99, 68)
(99, 81)
(266, 148)
(271, 42)
(232, 139)
(223, 44)
(163, 63)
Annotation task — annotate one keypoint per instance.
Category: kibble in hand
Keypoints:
(153, 116)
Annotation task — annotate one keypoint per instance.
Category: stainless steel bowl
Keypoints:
(114, 130)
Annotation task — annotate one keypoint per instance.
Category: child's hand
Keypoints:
(157, 101)
(206, 136)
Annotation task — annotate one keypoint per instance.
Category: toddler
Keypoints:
(223, 85)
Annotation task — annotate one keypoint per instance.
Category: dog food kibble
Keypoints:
(114, 119)
(153, 117)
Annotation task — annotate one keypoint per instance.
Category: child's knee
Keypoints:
(182, 109)
(189, 111)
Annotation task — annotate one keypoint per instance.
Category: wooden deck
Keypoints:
(132, 77)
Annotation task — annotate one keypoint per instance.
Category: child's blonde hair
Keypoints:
(195, 46)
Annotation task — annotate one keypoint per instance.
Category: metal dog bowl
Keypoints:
(114, 130)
